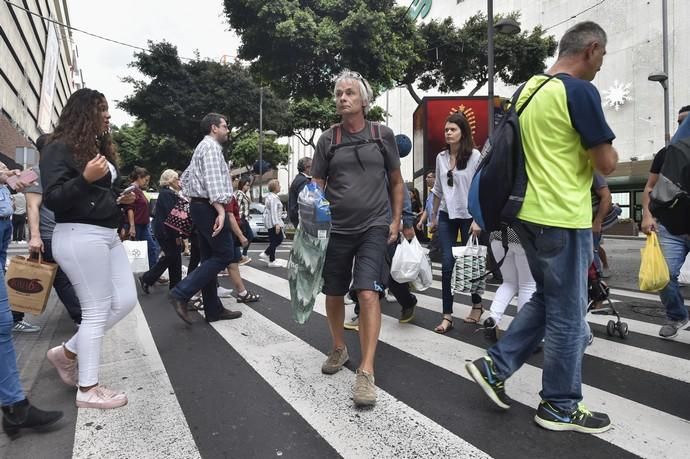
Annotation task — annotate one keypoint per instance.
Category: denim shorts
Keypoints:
(368, 250)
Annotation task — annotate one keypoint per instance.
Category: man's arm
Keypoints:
(604, 207)
(397, 187)
(604, 157)
(33, 204)
(648, 222)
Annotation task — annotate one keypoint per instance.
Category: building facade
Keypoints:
(38, 73)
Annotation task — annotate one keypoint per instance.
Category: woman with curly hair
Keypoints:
(78, 173)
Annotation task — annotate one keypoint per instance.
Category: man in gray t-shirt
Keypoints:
(41, 225)
(357, 175)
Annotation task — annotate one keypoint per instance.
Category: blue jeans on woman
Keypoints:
(675, 250)
(11, 390)
(448, 229)
(558, 259)
(143, 233)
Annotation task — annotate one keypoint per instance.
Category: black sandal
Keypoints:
(249, 297)
(441, 330)
(471, 320)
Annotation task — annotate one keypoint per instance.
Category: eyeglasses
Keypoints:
(450, 178)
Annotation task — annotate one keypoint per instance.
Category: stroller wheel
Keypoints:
(623, 330)
(611, 328)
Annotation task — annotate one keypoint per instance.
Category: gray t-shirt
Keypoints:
(47, 217)
(356, 179)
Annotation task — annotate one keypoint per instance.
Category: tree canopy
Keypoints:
(298, 46)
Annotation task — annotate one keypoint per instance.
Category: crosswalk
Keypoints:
(253, 388)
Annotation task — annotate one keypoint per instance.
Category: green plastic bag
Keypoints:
(654, 275)
(305, 267)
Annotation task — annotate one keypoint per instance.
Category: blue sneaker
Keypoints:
(484, 373)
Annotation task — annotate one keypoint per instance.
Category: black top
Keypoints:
(658, 161)
(70, 196)
(167, 199)
(295, 188)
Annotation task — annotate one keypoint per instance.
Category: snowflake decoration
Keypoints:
(617, 95)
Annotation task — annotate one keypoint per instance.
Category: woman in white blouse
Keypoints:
(455, 168)
(273, 221)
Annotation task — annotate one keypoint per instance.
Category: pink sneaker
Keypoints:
(66, 367)
(100, 397)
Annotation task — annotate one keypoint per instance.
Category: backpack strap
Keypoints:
(337, 137)
(529, 99)
(374, 137)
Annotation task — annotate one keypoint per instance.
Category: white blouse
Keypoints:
(454, 198)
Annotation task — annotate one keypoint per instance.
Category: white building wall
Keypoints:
(634, 50)
(21, 77)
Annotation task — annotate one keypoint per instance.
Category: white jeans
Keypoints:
(96, 263)
(517, 278)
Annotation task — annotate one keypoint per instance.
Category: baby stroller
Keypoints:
(600, 303)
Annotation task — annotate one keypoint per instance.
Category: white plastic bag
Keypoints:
(425, 277)
(407, 261)
(138, 255)
(684, 275)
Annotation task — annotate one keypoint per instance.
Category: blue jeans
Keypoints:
(675, 250)
(143, 233)
(5, 238)
(10, 388)
(448, 235)
(216, 254)
(558, 259)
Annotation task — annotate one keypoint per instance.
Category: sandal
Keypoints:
(249, 297)
(471, 320)
(443, 330)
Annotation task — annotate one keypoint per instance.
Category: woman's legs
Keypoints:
(144, 234)
(274, 241)
(507, 290)
(447, 234)
(96, 263)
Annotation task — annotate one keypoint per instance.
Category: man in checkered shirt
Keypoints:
(207, 185)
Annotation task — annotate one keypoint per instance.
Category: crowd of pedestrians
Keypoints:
(82, 209)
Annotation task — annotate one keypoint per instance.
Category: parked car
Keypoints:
(256, 220)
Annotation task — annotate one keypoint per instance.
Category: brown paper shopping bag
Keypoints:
(29, 282)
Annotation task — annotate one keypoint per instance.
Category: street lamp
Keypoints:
(507, 26)
(261, 142)
(662, 77)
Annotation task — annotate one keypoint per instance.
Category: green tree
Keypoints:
(175, 96)
(138, 146)
(245, 151)
(299, 45)
(455, 57)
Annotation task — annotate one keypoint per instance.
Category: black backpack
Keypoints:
(500, 182)
(669, 200)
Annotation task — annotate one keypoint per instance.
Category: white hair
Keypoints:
(365, 91)
(167, 177)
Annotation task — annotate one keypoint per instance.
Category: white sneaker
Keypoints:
(349, 300)
(390, 298)
(263, 256)
(353, 324)
(100, 397)
(274, 264)
(224, 292)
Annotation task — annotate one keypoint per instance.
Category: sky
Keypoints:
(189, 25)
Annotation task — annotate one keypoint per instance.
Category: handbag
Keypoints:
(469, 271)
(138, 255)
(29, 282)
(178, 219)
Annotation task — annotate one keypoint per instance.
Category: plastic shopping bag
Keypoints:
(654, 274)
(407, 261)
(425, 277)
(684, 274)
(470, 268)
(138, 255)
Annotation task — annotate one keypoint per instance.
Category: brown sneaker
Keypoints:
(335, 361)
(364, 391)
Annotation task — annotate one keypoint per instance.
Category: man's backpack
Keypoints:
(500, 182)
(670, 198)
(374, 137)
